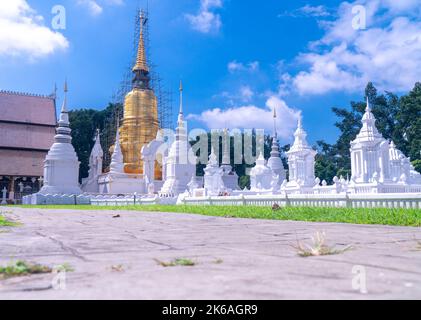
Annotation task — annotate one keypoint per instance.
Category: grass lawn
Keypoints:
(397, 217)
(5, 223)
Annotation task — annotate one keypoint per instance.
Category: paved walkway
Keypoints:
(113, 258)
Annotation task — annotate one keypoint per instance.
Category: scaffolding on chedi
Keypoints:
(164, 96)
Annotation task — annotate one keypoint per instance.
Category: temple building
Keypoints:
(27, 128)
(377, 166)
(369, 152)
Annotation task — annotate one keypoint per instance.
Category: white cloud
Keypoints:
(22, 32)
(235, 66)
(252, 117)
(246, 93)
(96, 7)
(387, 53)
(307, 11)
(206, 20)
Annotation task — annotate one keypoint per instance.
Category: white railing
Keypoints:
(400, 200)
(130, 201)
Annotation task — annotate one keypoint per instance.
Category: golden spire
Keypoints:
(141, 63)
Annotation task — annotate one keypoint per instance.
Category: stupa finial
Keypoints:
(141, 62)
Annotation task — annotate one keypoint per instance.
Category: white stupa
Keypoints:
(301, 160)
(61, 165)
(213, 183)
(275, 161)
(369, 152)
(180, 164)
(261, 175)
(117, 161)
(90, 184)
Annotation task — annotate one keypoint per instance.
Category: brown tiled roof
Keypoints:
(29, 108)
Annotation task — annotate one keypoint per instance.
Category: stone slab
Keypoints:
(258, 257)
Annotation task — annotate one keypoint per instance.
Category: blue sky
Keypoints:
(238, 59)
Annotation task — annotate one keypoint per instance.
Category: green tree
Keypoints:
(84, 123)
(408, 135)
(397, 119)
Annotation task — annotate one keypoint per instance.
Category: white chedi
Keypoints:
(301, 160)
(261, 175)
(275, 161)
(213, 183)
(369, 152)
(180, 164)
(117, 161)
(61, 165)
(90, 184)
(401, 169)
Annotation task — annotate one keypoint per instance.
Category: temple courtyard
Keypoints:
(133, 255)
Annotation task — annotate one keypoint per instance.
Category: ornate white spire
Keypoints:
(180, 133)
(117, 162)
(64, 113)
(97, 149)
(275, 133)
(300, 142)
(368, 131)
(181, 98)
(61, 165)
(63, 129)
(275, 145)
(180, 163)
(275, 161)
(213, 160)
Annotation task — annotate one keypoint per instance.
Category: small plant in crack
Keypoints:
(64, 267)
(6, 223)
(176, 262)
(23, 268)
(318, 247)
(117, 268)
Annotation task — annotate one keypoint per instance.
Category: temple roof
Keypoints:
(27, 108)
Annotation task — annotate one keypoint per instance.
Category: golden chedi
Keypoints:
(140, 122)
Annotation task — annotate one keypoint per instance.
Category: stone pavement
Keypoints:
(113, 258)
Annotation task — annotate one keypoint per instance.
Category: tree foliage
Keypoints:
(84, 123)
